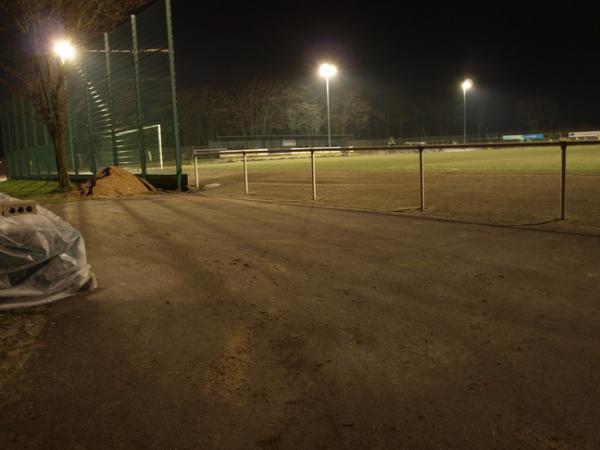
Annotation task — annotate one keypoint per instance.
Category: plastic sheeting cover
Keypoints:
(42, 259)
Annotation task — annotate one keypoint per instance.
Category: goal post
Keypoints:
(158, 129)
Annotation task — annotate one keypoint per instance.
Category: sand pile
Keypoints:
(112, 182)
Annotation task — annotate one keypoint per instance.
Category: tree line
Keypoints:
(298, 107)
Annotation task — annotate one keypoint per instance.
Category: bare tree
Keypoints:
(302, 110)
(256, 106)
(350, 112)
(537, 112)
(31, 69)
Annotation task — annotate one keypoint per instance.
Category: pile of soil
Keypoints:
(113, 181)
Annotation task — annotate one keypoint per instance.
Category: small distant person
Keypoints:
(391, 141)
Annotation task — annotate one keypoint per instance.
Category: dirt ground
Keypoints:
(488, 198)
(19, 333)
(223, 323)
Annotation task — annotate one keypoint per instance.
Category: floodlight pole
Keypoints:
(328, 113)
(178, 167)
(138, 96)
(113, 138)
(88, 110)
(464, 116)
(74, 161)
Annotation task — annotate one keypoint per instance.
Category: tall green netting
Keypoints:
(121, 106)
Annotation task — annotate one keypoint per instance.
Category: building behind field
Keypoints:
(280, 141)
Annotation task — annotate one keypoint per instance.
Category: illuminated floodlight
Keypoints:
(64, 50)
(467, 84)
(327, 70)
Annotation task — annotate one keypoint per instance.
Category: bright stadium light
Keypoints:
(327, 71)
(466, 85)
(64, 50)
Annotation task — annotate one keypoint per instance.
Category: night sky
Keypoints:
(550, 49)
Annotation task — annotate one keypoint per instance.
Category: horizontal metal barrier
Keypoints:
(420, 148)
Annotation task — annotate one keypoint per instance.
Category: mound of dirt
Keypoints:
(112, 182)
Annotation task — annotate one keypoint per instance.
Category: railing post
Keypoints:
(196, 171)
(245, 173)
(421, 179)
(563, 179)
(314, 174)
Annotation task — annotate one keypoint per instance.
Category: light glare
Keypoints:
(64, 50)
(467, 84)
(327, 70)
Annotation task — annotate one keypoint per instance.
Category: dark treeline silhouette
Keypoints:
(266, 107)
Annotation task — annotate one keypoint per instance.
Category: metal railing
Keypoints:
(401, 148)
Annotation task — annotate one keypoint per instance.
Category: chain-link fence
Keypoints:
(121, 106)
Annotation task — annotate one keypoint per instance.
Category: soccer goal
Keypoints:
(158, 129)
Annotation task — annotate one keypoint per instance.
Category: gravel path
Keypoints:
(222, 323)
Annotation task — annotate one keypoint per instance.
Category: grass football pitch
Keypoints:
(541, 160)
(499, 186)
(515, 185)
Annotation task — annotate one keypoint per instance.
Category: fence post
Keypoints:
(111, 114)
(563, 179)
(17, 147)
(34, 125)
(174, 94)
(6, 141)
(421, 179)
(27, 150)
(314, 174)
(74, 160)
(14, 152)
(35, 141)
(47, 143)
(5, 144)
(196, 171)
(138, 95)
(88, 110)
(245, 173)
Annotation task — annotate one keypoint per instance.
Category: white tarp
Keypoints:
(42, 259)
